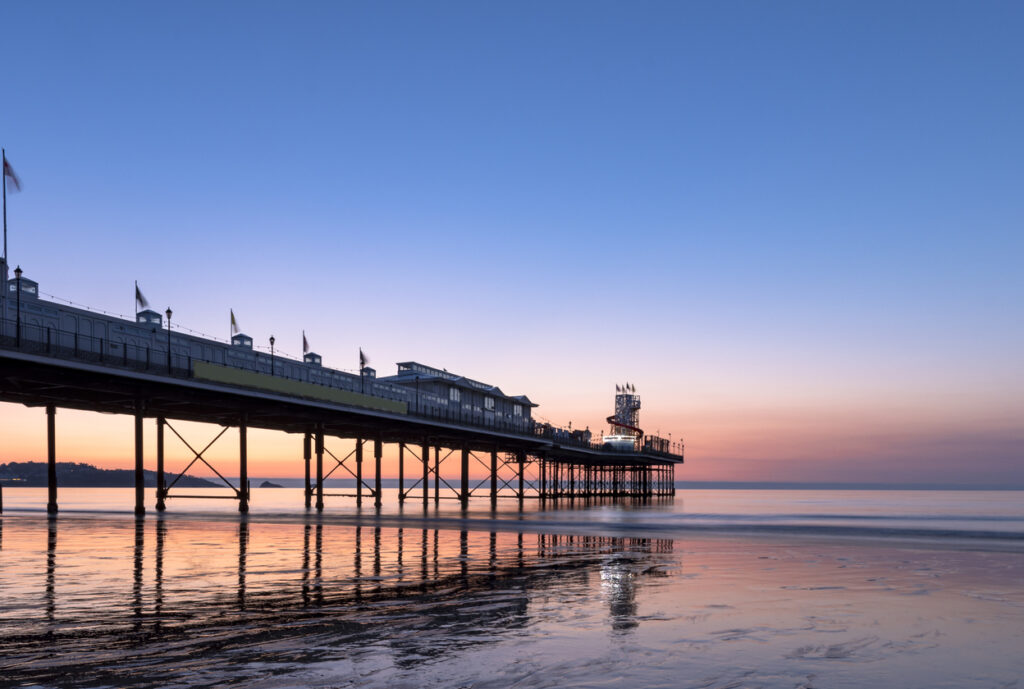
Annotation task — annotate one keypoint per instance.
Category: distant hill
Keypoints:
(80, 475)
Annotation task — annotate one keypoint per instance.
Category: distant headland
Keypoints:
(80, 475)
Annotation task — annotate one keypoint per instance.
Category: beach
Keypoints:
(632, 597)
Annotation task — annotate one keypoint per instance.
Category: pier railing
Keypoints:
(59, 343)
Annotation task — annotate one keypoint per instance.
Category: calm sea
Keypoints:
(714, 588)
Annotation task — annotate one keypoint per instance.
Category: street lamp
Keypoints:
(168, 312)
(271, 355)
(17, 327)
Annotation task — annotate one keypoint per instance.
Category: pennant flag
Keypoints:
(139, 299)
(363, 361)
(234, 323)
(305, 343)
(618, 388)
(9, 176)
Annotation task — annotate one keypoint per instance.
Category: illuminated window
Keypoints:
(517, 410)
(453, 394)
(489, 403)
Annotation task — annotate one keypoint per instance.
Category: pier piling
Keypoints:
(51, 459)
(140, 474)
(243, 464)
(161, 483)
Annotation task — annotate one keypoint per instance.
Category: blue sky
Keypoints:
(797, 223)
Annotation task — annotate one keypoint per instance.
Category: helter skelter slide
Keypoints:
(626, 433)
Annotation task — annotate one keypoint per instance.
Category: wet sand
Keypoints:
(186, 601)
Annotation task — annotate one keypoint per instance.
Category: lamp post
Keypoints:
(17, 326)
(271, 355)
(168, 313)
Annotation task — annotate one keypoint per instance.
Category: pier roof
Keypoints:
(410, 371)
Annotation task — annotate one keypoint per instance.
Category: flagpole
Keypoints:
(3, 288)
(136, 300)
(4, 166)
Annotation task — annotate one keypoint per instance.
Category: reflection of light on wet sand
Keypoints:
(179, 602)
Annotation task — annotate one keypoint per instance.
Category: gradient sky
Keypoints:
(795, 227)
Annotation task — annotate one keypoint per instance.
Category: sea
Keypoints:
(712, 589)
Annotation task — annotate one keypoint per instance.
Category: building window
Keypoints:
(517, 410)
(489, 403)
(453, 394)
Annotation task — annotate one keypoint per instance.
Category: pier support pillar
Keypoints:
(377, 453)
(51, 459)
(161, 479)
(140, 476)
(319, 467)
(521, 461)
(494, 478)
(425, 459)
(401, 473)
(543, 470)
(464, 487)
(359, 472)
(307, 454)
(437, 474)
(243, 464)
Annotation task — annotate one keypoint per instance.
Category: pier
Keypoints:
(445, 426)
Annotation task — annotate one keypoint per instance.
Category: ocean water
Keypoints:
(714, 588)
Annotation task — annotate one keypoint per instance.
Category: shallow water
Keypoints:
(283, 599)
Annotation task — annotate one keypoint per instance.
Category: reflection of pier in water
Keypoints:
(423, 592)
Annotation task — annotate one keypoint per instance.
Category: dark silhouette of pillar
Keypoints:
(243, 464)
(51, 459)
(140, 476)
(161, 482)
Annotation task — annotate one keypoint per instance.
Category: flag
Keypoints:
(305, 343)
(139, 299)
(363, 361)
(10, 176)
(618, 388)
(234, 323)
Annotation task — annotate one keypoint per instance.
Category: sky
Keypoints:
(795, 227)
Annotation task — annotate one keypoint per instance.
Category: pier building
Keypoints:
(55, 355)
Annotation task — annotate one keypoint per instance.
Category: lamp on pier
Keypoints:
(168, 313)
(17, 287)
(271, 355)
